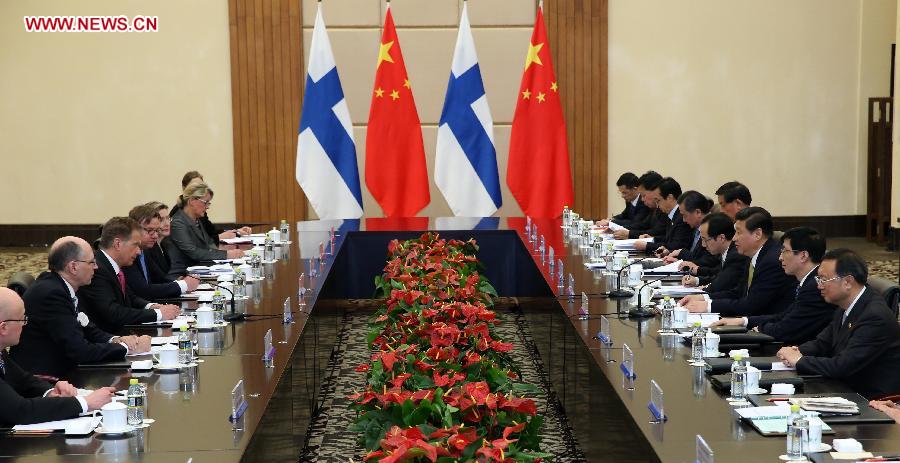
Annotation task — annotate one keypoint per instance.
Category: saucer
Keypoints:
(823, 447)
(718, 354)
(176, 366)
(759, 391)
(102, 430)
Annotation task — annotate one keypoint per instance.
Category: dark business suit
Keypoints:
(654, 224)
(678, 235)
(189, 244)
(157, 262)
(145, 286)
(863, 351)
(725, 275)
(204, 222)
(22, 397)
(106, 305)
(697, 254)
(632, 214)
(53, 342)
(805, 318)
(771, 290)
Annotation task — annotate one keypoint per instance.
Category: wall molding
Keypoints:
(41, 235)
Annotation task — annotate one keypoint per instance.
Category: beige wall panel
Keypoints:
(343, 13)
(93, 123)
(501, 56)
(774, 103)
(418, 13)
(501, 12)
(355, 54)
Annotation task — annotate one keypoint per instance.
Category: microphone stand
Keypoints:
(619, 292)
(233, 315)
(638, 311)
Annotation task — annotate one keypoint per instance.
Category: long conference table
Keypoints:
(611, 422)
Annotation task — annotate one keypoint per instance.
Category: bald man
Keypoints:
(24, 398)
(59, 336)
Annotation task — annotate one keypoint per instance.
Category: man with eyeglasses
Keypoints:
(861, 345)
(144, 277)
(108, 300)
(766, 288)
(654, 223)
(801, 253)
(635, 210)
(26, 399)
(59, 336)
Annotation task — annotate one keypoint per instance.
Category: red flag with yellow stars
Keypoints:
(395, 155)
(538, 171)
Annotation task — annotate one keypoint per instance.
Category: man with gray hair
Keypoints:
(25, 398)
(59, 336)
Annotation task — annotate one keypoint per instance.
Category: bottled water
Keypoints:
(185, 346)
(218, 306)
(255, 265)
(240, 283)
(697, 343)
(269, 249)
(668, 314)
(566, 218)
(797, 434)
(136, 398)
(285, 231)
(598, 251)
(738, 378)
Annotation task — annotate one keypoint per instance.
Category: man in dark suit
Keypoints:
(158, 260)
(678, 233)
(108, 301)
(693, 207)
(27, 399)
(861, 345)
(733, 197)
(802, 249)
(635, 210)
(767, 289)
(58, 337)
(716, 233)
(654, 222)
(143, 277)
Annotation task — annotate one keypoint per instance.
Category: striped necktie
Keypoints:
(144, 267)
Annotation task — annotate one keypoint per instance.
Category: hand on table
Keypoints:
(136, 344)
(888, 407)
(245, 231)
(192, 282)
(662, 251)
(621, 234)
(728, 322)
(63, 389)
(169, 311)
(686, 299)
(789, 355)
(640, 245)
(97, 399)
(690, 267)
(602, 223)
(689, 281)
(234, 254)
(697, 306)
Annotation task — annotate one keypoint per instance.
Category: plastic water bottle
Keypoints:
(797, 434)
(738, 378)
(185, 346)
(566, 216)
(240, 283)
(668, 314)
(218, 306)
(697, 343)
(136, 398)
(285, 231)
(255, 265)
(269, 249)
(598, 251)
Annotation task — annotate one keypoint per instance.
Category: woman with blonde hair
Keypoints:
(189, 242)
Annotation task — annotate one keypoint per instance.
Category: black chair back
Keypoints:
(19, 282)
(890, 291)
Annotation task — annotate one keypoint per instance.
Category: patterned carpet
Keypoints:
(328, 430)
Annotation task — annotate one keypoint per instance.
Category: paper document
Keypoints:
(705, 319)
(780, 366)
(674, 267)
(75, 426)
(160, 340)
(629, 243)
(241, 240)
(678, 290)
(615, 227)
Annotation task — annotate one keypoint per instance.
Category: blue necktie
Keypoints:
(143, 267)
(2, 366)
(696, 240)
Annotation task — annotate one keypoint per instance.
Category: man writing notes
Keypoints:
(108, 301)
(27, 399)
(58, 336)
(766, 288)
(654, 222)
(716, 234)
(635, 210)
(861, 345)
(144, 277)
(802, 249)
(678, 233)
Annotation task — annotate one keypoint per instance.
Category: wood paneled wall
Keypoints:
(266, 75)
(578, 34)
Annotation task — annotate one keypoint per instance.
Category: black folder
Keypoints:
(766, 380)
(716, 366)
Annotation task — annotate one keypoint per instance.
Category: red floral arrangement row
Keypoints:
(441, 386)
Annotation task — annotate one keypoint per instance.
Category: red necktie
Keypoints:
(121, 277)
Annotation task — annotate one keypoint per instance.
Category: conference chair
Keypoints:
(888, 289)
(19, 282)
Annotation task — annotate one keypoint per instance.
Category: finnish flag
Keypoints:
(466, 162)
(326, 154)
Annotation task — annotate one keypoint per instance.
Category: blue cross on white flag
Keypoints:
(326, 153)
(466, 162)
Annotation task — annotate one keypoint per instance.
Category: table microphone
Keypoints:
(638, 311)
(233, 315)
(619, 292)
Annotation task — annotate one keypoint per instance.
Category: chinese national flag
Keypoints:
(395, 155)
(538, 172)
